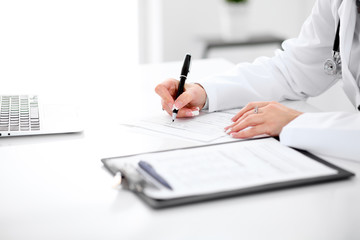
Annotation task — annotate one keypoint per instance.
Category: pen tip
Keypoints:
(173, 117)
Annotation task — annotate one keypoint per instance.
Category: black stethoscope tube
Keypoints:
(336, 46)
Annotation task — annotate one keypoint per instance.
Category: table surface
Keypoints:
(55, 187)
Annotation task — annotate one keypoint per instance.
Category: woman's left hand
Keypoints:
(261, 118)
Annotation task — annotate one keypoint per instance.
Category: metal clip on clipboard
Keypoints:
(131, 178)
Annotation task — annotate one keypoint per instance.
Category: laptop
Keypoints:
(22, 115)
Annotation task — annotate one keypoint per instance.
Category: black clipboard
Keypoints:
(342, 174)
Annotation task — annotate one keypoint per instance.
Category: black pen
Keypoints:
(183, 75)
(151, 171)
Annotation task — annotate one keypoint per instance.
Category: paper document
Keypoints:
(226, 167)
(206, 127)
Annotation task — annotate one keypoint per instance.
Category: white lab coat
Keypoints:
(297, 73)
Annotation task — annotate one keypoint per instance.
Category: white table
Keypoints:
(54, 187)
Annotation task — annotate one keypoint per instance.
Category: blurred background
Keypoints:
(53, 34)
(67, 45)
(168, 28)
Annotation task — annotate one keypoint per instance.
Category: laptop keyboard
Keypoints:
(19, 113)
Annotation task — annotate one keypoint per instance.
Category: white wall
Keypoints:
(178, 26)
(62, 43)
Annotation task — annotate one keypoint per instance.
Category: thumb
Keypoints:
(184, 99)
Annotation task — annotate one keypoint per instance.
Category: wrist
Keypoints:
(203, 99)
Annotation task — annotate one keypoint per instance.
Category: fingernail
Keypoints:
(195, 113)
(192, 113)
(170, 105)
(232, 135)
(174, 108)
(197, 108)
(229, 130)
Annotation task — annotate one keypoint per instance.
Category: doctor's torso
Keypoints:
(346, 11)
(354, 63)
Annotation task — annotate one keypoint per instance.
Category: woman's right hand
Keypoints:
(189, 102)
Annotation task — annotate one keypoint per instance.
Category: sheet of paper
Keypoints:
(229, 166)
(206, 127)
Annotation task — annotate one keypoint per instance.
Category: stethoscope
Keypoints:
(333, 66)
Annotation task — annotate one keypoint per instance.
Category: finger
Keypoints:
(250, 121)
(245, 109)
(188, 112)
(245, 115)
(248, 113)
(248, 107)
(250, 132)
(183, 99)
(184, 112)
(164, 91)
(166, 107)
(171, 84)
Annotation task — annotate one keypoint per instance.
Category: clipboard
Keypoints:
(134, 181)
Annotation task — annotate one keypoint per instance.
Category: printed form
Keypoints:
(207, 127)
(226, 167)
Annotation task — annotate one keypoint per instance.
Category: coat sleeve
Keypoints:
(330, 134)
(292, 74)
